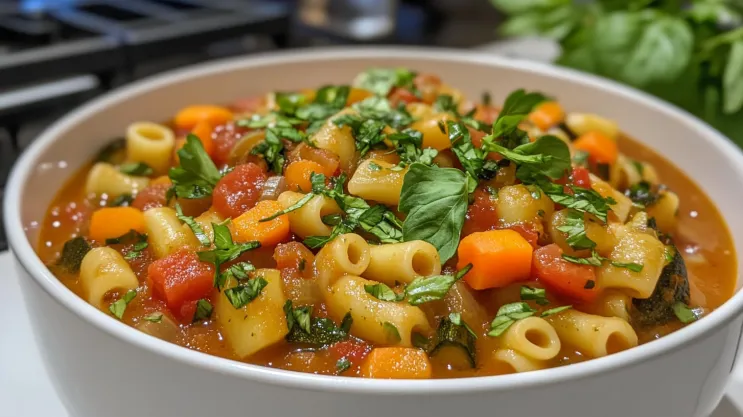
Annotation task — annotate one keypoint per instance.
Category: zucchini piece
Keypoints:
(73, 252)
(672, 288)
(460, 336)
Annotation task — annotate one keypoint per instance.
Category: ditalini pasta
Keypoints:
(390, 228)
(150, 143)
(402, 262)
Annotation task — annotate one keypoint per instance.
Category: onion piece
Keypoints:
(273, 187)
(166, 329)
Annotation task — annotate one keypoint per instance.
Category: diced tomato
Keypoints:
(151, 196)
(486, 114)
(239, 190)
(353, 350)
(294, 259)
(179, 278)
(481, 215)
(225, 136)
(402, 95)
(527, 232)
(574, 281)
(248, 104)
(581, 177)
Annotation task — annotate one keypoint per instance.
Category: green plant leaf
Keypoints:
(662, 52)
(732, 81)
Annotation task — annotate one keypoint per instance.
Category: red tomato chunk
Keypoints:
(568, 279)
(581, 177)
(239, 190)
(152, 196)
(353, 350)
(180, 278)
(225, 136)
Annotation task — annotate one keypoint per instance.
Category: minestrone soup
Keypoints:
(390, 229)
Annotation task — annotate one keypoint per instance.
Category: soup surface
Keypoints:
(390, 229)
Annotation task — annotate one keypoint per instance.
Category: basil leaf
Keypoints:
(472, 158)
(225, 250)
(73, 252)
(380, 81)
(303, 328)
(382, 292)
(203, 310)
(136, 168)
(193, 225)
(517, 106)
(296, 206)
(408, 145)
(507, 315)
(391, 332)
(555, 310)
(122, 200)
(575, 228)
(118, 307)
(594, 260)
(662, 52)
(435, 200)
(425, 289)
(685, 314)
(154, 318)
(342, 365)
(243, 294)
(548, 155)
(583, 199)
(539, 295)
(732, 81)
(445, 103)
(196, 176)
(632, 266)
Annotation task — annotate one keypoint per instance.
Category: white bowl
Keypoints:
(102, 367)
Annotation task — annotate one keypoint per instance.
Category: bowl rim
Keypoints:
(26, 256)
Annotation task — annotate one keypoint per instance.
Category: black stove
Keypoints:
(55, 54)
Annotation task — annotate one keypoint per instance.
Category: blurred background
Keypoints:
(56, 54)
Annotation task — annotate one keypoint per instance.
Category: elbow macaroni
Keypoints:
(633, 247)
(260, 323)
(104, 270)
(345, 255)
(532, 337)
(338, 140)
(372, 317)
(515, 361)
(166, 234)
(307, 220)
(106, 179)
(594, 335)
(150, 143)
(402, 262)
(373, 180)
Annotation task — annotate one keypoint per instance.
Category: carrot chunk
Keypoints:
(601, 148)
(188, 117)
(248, 227)
(180, 278)
(112, 222)
(396, 363)
(498, 258)
(547, 115)
(298, 174)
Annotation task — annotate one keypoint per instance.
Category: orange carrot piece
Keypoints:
(298, 174)
(356, 95)
(601, 148)
(112, 222)
(203, 130)
(396, 363)
(188, 117)
(547, 115)
(498, 258)
(248, 226)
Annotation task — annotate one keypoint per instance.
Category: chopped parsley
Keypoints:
(118, 307)
(136, 168)
(445, 103)
(425, 289)
(272, 148)
(134, 238)
(225, 250)
(203, 310)
(193, 225)
(391, 332)
(381, 81)
(196, 176)
(575, 229)
(644, 194)
(597, 260)
(303, 328)
(342, 365)
(508, 314)
(539, 295)
(154, 317)
(382, 292)
(685, 314)
(122, 200)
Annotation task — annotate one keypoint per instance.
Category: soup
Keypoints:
(390, 229)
